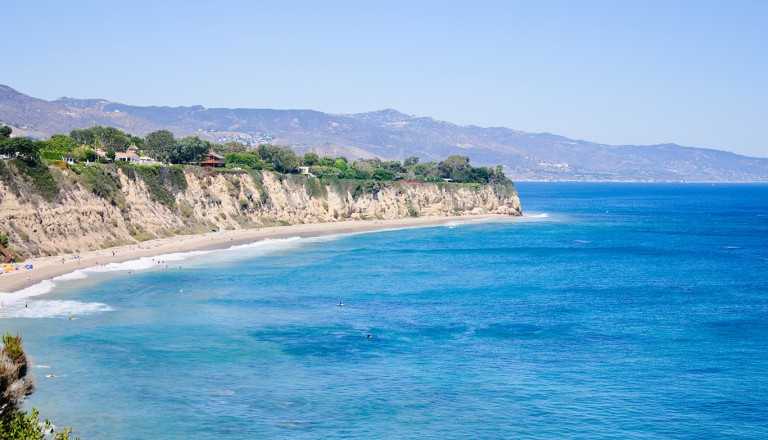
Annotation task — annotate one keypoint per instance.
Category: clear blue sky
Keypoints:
(619, 72)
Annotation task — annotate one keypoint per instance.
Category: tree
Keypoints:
(5, 131)
(393, 165)
(231, 147)
(61, 143)
(15, 385)
(426, 171)
(311, 158)
(382, 174)
(137, 142)
(83, 137)
(498, 174)
(188, 149)
(340, 164)
(114, 139)
(83, 154)
(410, 161)
(453, 164)
(23, 147)
(159, 143)
(267, 152)
(362, 169)
(285, 160)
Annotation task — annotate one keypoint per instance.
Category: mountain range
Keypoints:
(389, 134)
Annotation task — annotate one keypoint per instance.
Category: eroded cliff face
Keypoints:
(138, 208)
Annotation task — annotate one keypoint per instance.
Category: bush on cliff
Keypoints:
(162, 183)
(40, 176)
(15, 385)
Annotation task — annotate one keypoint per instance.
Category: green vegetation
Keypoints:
(15, 385)
(163, 146)
(20, 147)
(40, 177)
(102, 181)
(158, 142)
(30, 159)
(315, 188)
(7, 177)
(162, 183)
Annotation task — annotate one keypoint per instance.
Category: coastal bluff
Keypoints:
(82, 208)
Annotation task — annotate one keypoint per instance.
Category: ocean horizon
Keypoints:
(608, 310)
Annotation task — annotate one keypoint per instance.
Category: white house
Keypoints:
(127, 157)
(146, 160)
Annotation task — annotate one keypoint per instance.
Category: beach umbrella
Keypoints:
(27, 266)
(8, 267)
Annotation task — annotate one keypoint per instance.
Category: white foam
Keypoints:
(50, 308)
(76, 275)
(40, 288)
(540, 215)
(19, 305)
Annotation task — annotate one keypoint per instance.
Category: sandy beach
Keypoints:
(46, 268)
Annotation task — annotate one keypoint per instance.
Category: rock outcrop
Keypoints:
(142, 203)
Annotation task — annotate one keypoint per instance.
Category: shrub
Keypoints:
(162, 183)
(7, 177)
(15, 385)
(102, 183)
(40, 176)
(315, 188)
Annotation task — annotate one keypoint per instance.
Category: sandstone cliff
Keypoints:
(106, 205)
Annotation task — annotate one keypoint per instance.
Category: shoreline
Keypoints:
(46, 268)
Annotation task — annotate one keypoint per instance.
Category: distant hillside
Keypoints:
(389, 134)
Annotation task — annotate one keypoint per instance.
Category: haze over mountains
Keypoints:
(389, 134)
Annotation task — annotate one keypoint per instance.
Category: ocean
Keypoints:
(608, 311)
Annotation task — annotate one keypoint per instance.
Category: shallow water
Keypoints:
(628, 311)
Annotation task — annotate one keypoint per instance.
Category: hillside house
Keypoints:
(146, 160)
(129, 157)
(213, 160)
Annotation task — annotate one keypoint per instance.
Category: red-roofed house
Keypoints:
(213, 160)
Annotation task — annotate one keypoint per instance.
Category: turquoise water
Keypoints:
(620, 311)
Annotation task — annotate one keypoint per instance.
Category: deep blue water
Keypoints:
(628, 311)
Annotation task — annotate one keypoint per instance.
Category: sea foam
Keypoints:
(19, 305)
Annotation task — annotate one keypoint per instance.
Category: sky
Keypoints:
(637, 72)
